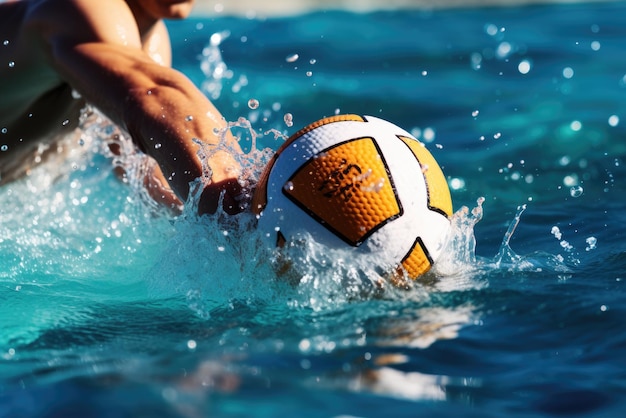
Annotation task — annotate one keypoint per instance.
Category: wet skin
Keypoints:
(55, 55)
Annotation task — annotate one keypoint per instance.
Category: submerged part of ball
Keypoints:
(358, 183)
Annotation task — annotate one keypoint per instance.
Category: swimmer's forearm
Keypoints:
(166, 118)
(161, 108)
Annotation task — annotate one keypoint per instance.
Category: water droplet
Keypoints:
(576, 191)
(309, 73)
(66, 122)
(613, 120)
(5, 42)
(149, 92)
(253, 104)
(428, 134)
(476, 60)
(75, 94)
(11, 64)
(292, 58)
(157, 145)
(4, 130)
(424, 73)
(571, 180)
(312, 61)
(497, 135)
(4, 147)
(81, 142)
(568, 72)
(288, 118)
(475, 113)
(504, 49)
(288, 186)
(524, 67)
(491, 29)
(564, 160)
(591, 243)
(457, 183)
(189, 118)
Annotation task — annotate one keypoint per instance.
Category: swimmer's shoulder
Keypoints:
(42, 23)
(110, 21)
(157, 45)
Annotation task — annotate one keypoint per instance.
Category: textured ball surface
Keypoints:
(358, 183)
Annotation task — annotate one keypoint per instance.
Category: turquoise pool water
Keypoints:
(110, 309)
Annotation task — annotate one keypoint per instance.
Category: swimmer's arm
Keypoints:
(100, 55)
(162, 110)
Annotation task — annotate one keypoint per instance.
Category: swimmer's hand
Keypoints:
(227, 192)
(224, 185)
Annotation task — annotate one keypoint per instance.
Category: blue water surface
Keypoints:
(110, 308)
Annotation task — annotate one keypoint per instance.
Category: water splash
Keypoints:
(72, 235)
(506, 255)
(322, 280)
(459, 255)
(214, 67)
(212, 262)
(313, 278)
(571, 254)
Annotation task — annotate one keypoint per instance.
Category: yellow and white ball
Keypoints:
(357, 183)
